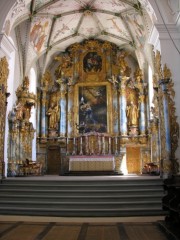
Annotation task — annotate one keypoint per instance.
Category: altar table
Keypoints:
(91, 163)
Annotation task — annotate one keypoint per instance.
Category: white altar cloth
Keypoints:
(91, 163)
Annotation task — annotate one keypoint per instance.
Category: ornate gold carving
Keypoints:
(154, 126)
(92, 78)
(107, 45)
(142, 98)
(46, 80)
(117, 163)
(25, 101)
(124, 80)
(54, 115)
(164, 76)
(65, 67)
(143, 140)
(138, 75)
(4, 72)
(155, 109)
(21, 131)
(92, 44)
(166, 72)
(146, 157)
(63, 94)
(122, 63)
(157, 65)
(167, 166)
(70, 117)
(155, 82)
(174, 125)
(132, 114)
(75, 48)
(24, 95)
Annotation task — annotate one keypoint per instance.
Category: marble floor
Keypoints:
(82, 229)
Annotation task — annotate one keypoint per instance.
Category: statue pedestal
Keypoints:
(52, 133)
(133, 130)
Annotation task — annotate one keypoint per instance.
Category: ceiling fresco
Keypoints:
(52, 25)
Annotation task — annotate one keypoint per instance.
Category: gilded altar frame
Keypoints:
(108, 103)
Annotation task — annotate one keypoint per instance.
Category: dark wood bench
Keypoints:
(171, 201)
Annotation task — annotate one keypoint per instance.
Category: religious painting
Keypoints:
(92, 109)
(38, 34)
(92, 62)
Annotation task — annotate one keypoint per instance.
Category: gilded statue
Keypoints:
(53, 113)
(122, 62)
(26, 83)
(27, 113)
(132, 112)
(4, 71)
(64, 67)
(46, 80)
(138, 75)
(19, 109)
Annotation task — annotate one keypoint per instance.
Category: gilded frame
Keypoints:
(108, 103)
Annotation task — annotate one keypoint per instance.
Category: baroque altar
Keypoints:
(93, 105)
(93, 114)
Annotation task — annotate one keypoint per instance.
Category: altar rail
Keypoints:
(92, 144)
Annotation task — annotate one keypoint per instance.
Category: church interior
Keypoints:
(90, 89)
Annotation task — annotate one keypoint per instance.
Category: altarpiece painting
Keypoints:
(92, 107)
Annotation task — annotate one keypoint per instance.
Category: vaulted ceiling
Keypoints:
(47, 27)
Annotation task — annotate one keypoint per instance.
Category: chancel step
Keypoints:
(77, 198)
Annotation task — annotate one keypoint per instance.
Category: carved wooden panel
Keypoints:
(133, 160)
(53, 160)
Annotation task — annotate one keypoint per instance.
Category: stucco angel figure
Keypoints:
(122, 62)
(65, 63)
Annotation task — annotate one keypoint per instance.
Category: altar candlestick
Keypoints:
(74, 146)
(87, 145)
(81, 151)
(109, 145)
(116, 143)
(103, 145)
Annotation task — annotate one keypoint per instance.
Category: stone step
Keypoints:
(85, 187)
(80, 204)
(82, 198)
(84, 182)
(104, 212)
(153, 192)
(77, 198)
